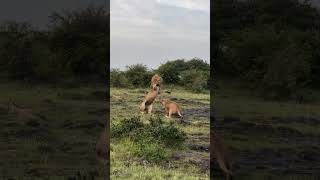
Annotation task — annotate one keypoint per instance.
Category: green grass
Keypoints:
(66, 126)
(181, 163)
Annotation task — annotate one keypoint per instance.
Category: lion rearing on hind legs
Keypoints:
(146, 105)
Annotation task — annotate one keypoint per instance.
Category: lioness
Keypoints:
(146, 105)
(170, 108)
(221, 153)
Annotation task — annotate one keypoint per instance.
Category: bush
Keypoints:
(70, 48)
(277, 64)
(172, 71)
(152, 139)
(138, 75)
(118, 79)
(195, 80)
(125, 127)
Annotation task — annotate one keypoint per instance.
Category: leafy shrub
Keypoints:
(138, 75)
(172, 71)
(125, 127)
(277, 64)
(70, 48)
(118, 79)
(195, 80)
(151, 151)
(152, 139)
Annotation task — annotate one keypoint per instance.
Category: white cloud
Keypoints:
(153, 30)
(199, 5)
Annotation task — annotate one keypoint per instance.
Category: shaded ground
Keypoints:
(281, 139)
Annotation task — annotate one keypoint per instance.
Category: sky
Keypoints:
(154, 31)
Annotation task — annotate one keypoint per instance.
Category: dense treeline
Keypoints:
(192, 74)
(73, 47)
(273, 45)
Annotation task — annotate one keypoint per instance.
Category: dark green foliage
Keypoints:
(171, 71)
(151, 139)
(138, 75)
(192, 74)
(74, 47)
(79, 39)
(125, 127)
(273, 45)
(118, 78)
(195, 80)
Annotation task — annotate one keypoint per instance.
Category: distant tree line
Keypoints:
(192, 74)
(73, 47)
(273, 45)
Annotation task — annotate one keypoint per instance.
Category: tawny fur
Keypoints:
(103, 152)
(170, 108)
(146, 105)
(220, 152)
(155, 80)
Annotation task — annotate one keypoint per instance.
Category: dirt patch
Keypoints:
(188, 101)
(302, 155)
(196, 147)
(204, 112)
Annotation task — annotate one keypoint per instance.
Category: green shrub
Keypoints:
(151, 151)
(172, 71)
(167, 134)
(118, 79)
(125, 127)
(195, 80)
(138, 75)
(152, 140)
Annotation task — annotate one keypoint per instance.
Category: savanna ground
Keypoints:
(58, 139)
(189, 161)
(269, 139)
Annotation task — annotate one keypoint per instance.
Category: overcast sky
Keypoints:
(154, 31)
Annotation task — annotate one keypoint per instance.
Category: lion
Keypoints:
(146, 105)
(220, 152)
(156, 80)
(170, 108)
